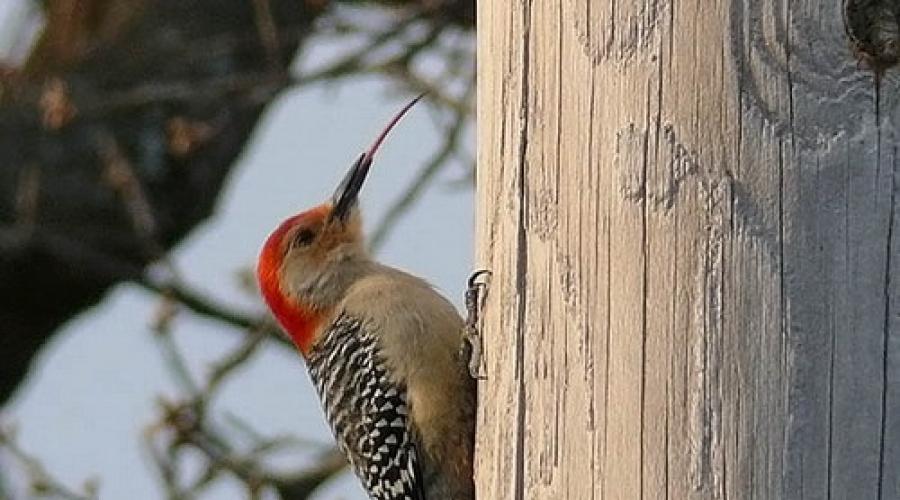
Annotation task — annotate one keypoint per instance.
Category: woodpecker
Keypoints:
(382, 348)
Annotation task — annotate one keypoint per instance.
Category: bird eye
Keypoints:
(304, 237)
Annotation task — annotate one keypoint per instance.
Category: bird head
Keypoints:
(310, 259)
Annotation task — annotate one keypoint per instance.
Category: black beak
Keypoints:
(345, 196)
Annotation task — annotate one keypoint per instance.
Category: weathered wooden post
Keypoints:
(690, 211)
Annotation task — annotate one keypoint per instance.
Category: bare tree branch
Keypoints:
(90, 120)
(422, 180)
(41, 483)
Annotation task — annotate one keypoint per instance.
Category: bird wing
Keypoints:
(368, 412)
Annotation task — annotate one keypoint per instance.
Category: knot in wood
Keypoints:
(873, 27)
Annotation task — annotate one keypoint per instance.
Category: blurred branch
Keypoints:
(41, 483)
(205, 306)
(224, 367)
(185, 424)
(59, 117)
(163, 129)
(268, 33)
(302, 484)
(176, 363)
(424, 178)
(264, 85)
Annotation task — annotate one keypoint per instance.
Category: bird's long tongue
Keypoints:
(348, 190)
(378, 140)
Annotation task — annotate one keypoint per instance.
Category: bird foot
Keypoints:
(476, 293)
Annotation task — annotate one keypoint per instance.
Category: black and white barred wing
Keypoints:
(367, 412)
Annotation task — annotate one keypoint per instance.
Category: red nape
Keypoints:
(300, 322)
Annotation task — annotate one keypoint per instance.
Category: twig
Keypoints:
(302, 484)
(121, 177)
(205, 306)
(268, 34)
(262, 443)
(43, 484)
(176, 363)
(233, 360)
(262, 85)
(164, 462)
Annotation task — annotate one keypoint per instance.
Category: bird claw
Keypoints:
(476, 293)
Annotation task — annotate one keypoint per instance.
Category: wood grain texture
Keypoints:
(689, 209)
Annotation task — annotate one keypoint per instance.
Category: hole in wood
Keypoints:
(873, 27)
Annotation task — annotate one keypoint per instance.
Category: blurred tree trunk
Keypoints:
(689, 209)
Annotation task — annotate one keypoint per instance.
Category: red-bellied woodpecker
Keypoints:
(382, 348)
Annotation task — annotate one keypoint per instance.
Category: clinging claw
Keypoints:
(476, 293)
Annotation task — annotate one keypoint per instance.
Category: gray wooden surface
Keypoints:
(689, 209)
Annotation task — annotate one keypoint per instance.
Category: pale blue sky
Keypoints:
(94, 385)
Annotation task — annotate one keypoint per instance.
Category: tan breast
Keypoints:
(421, 335)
